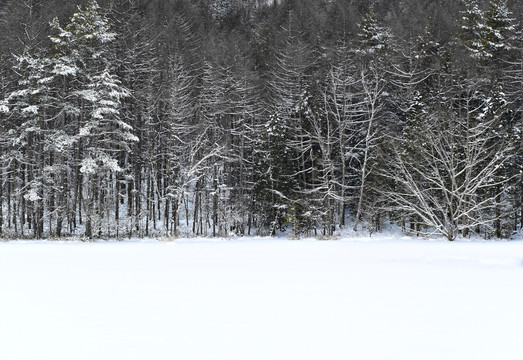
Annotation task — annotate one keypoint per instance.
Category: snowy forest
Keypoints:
(222, 117)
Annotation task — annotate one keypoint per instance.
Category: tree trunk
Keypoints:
(1, 203)
(89, 208)
(215, 202)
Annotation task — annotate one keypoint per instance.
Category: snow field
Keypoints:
(379, 298)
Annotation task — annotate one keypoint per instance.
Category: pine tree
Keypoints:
(373, 39)
(281, 153)
(29, 109)
(513, 87)
(83, 56)
(499, 29)
(473, 29)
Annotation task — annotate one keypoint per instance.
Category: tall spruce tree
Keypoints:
(83, 53)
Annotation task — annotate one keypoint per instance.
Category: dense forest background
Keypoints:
(219, 117)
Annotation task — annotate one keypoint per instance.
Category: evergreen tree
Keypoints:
(499, 29)
(29, 109)
(373, 39)
(473, 29)
(83, 54)
(259, 116)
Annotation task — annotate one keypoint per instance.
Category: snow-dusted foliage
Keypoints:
(67, 110)
(487, 33)
(374, 39)
(454, 183)
(473, 28)
(500, 27)
(84, 58)
(228, 117)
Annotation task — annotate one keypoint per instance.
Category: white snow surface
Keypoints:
(259, 298)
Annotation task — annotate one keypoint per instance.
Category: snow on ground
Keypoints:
(383, 298)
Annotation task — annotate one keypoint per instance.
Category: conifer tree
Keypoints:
(473, 29)
(499, 29)
(83, 54)
(373, 39)
(29, 111)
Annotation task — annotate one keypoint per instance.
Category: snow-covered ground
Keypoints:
(270, 299)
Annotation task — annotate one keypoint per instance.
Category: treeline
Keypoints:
(220, 117)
